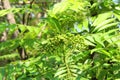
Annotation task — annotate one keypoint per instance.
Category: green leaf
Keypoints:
(108, 25)
(98, 39)
(116, 15)
(5, 12)
(100, 18)
(62, 72)
(54, 24)
(3, 27)
(104, 23)
(2, 72)
(102, 73)
(102, 51)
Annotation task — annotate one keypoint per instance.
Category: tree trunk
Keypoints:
(11, 20)
(10, 16)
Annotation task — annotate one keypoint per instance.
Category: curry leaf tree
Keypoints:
(74, 40)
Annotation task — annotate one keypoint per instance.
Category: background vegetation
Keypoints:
(59, 40)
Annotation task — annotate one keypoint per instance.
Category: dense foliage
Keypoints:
(72, 40)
